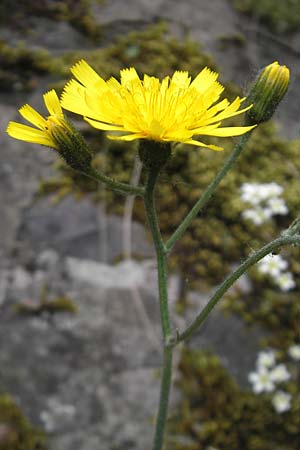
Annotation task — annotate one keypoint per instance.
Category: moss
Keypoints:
(16, 432)
(216, 412)
(237, 39)
(59, 304)
(149, 51)
(277, 312)
(21, 67)
(280, 16)
(78, 14)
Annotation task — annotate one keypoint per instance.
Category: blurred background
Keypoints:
(80, 342)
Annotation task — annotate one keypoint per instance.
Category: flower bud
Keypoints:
(70, 144)
(267, 92)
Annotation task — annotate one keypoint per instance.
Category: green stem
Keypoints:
(164, 308)
(164, 399)
(207, 193)
(124, 188)
(160, 252)
(285, 239)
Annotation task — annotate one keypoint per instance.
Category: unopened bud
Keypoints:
(267, 92)
(70, 144)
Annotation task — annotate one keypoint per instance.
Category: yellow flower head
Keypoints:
(42, 134)
(175, 109)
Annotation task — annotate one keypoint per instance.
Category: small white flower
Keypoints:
(280, 374)
(285, 281)
(272, 265)
(261, 381)
(266, 359)
(272, 190)
(257, 215)
(282, 401)
(294, 352)
(277, 206)
(251, 193)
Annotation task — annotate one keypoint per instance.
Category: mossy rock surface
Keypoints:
(16, 432)
(78, 14)
(280, 16)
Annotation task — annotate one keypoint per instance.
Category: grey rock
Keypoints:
(23, 165)
(4, 282)
(71, 372)
(80, 229)
(47, 259)
(44, 34)
(21, 279)
(125, 275)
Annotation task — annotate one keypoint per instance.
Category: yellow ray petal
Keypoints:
(104, 126)
(85, 74)
(33, 116)
(112, 83)
(128, 75)
(52, 103)
(223, 115)
(227, 131)
(25, 133)
(201, 144)
(181, 79)
(206, 129)
(204, 80)
(127, 137)
(73, 98)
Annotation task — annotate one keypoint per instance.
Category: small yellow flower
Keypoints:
(42, 134)
(175, 109)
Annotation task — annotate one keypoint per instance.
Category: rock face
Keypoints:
(90, 378)
(83, 376)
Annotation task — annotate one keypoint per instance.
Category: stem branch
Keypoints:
(124, 188)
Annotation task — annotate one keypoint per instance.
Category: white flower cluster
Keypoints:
(266, 378)
(265, 201)
(275, 266)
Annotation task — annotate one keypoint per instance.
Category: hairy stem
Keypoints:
(123, 188)
(164, 308)
(160, 252)
(164, 399)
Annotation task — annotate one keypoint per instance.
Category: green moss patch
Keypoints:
(216, 413)
(277, 14)
(21, 67)
(16, 432)
(78, 14)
